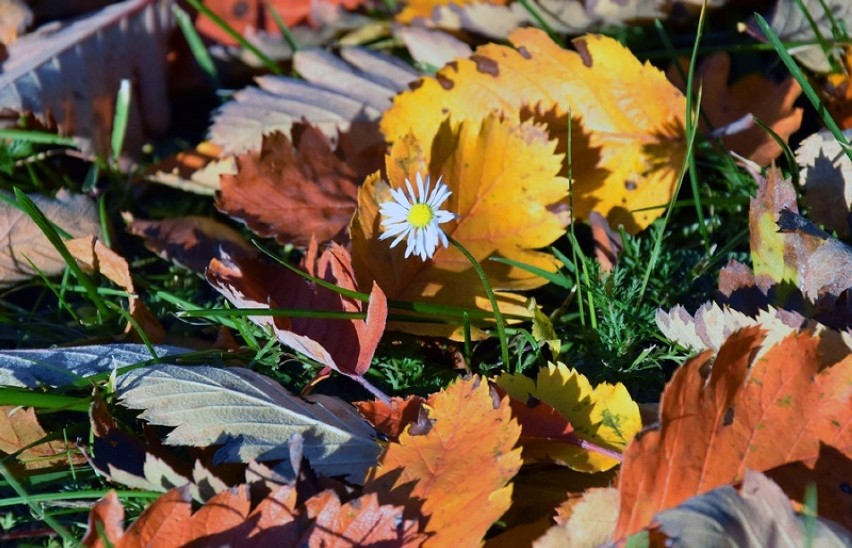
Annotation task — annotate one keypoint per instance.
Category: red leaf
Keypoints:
(106, 521)
(390, 418)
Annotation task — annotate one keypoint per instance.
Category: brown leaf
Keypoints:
(753, 94)
(94, 256)
(106, 522)
(192, 241)
(346, 346)
(196, 170)
(390, 418)
(292, 192)
(585, 520)
(24, 242)
(748, 413)
(457, 466)
(19, 427)
(70, 73)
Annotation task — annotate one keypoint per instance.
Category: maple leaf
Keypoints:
(753, 94)
(291, 192)
(453, 464)
(346, 346)
(747, 413)
(604, 416)
(631, 146)
(503, 208)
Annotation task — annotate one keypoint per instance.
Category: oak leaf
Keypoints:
(632, 145)
(347, 346)
(291, 191)
(742, 413)
(504, 208)
(604, 415)
(453, 464)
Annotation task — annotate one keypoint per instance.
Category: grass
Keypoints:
(604, 320)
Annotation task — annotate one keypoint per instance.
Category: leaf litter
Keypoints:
(300, 382)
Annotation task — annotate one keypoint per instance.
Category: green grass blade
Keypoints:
(196, 45)
(36, 509)
(37, 137)
(807, 88)
(119, 120)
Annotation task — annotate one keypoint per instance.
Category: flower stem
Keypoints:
(498, 316)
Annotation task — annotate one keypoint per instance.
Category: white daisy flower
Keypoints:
(416, 217)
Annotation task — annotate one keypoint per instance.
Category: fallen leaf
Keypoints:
(106, 522)
(496, 215)
(345, 345)
(795, 22)
(826, 178)
(68, 73)
(196, 170)
(430, 47)
(742, 413)
(459, 464)
(423, 9)
(192, 241)
(250, 415)
(586, 520)
(753, 94)
(19, 428)
(292, 192)
(335, 96)
(760, 511)
(390, 418)
(94, 256)
(837, 92)
(632, 143)
(604, 416)
(359, 522)
(15, 17)
(24, 242)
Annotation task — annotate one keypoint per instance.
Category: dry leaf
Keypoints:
(347, 346)
(825, 172)
(19, 427)
(335, 96)
(24, 241)
(359, 522)
(414, 10)
(70, 75)
(250, 415)
(94, 256)
(753, 94)
(15, 17)
(837, 92)
(192, 241)
(605, 416)
(748, 519)
(454, 465)
(742, 413)
(390, 418)
(497, 216)
(429, 47)
(583, 521)
(292, 192)
(196, 170)
(631, 144)
(106, 522)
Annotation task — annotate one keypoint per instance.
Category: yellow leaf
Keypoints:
(604, 415)
(629, 146)
(503, 206)
(458, 464)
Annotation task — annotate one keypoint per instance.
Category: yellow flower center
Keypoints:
(420, 215)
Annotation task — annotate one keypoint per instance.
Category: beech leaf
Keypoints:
(250, 415)
(742, 413)
(453, 464)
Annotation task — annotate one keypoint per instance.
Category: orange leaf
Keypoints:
(106, 520)
(631, 147)
(423, 9)
(747, 414)
(753, 94)
(19, 428)
(459, 467)
(163, 524)
(344, 345)
(292, 192)
(359, 522)
(392, 417)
